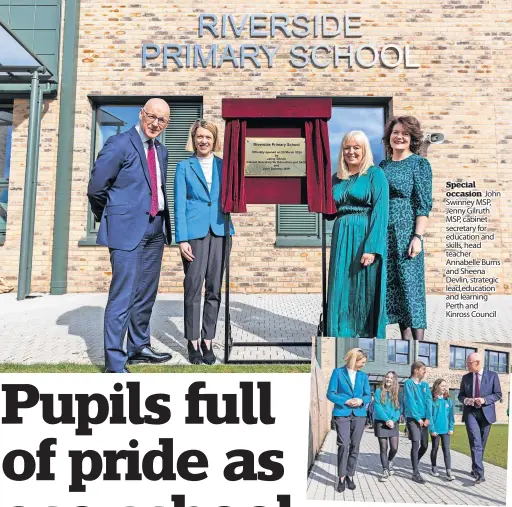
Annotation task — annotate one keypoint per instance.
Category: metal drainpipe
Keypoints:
(60, 248)
(29, 192)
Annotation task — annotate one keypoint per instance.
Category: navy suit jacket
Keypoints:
(120, 191)
(490, 389)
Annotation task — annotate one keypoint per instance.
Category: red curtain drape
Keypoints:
(233, 189)
(318, 167)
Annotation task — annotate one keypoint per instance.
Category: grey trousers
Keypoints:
(207, 268)
(350, 432)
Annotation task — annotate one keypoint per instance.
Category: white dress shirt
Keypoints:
(207, 167)
(352, 375)
(144, 138)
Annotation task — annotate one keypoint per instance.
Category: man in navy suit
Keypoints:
(128, 198)
(479, 390)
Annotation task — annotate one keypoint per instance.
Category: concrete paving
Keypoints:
(400, 488)
(69, 328)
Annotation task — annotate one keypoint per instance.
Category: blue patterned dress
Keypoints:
(410, 196)
(356, 294)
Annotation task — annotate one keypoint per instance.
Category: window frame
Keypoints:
(420, 357)
(315, 240)
(4, 184)
(395, 354)
(472, 349)
(458, 407)
(499, 352)
(96, 101)
(369, 352)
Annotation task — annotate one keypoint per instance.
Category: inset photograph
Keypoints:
(409, 421)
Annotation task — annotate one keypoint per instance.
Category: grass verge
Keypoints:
(218, 368)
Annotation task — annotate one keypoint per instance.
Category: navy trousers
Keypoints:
(132, 294)
(478, 429)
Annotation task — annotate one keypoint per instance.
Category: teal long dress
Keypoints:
(356, 294)
(410, 196)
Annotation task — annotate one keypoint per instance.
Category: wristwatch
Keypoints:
(419, 236)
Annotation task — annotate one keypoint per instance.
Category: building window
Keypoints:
(458, 407)
(496, 361)
(295, 225)
(112, 119)
(368, 345)
(458, 356)
(398, 351)
(5, 165)
(427, 353)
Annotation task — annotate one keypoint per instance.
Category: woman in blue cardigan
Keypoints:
(387, 416)
(441, 426)
(349, 390)
(200, 234)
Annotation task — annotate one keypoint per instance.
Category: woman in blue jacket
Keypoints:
(387, 416)
(441, 426)
(200, 231)
(349, 390)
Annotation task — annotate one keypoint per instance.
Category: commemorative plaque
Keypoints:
(275, 156)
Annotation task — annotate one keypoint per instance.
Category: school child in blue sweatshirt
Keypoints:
(418, 413)
(441, 426)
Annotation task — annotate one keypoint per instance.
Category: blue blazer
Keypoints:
(340, 390)
(119, 191)
(490, 389)
(196, 209)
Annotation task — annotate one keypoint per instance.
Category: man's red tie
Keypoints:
(152, 177)
(477, 386)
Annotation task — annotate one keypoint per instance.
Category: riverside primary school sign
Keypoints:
(264, 26)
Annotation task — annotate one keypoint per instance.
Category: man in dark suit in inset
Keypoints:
(479, 390)
(127, 196)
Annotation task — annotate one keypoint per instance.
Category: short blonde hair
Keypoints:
(367, 160)
(353, 356)
(208, 125)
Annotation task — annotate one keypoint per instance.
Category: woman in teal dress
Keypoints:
(410, 202)
(357, 269)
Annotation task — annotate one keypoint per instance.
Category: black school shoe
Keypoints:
(194, 355)
(340, 488)
(208, 355)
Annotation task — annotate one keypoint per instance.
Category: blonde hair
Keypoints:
(353, 356)
(367, 159)
(208, 125)
(393, 390)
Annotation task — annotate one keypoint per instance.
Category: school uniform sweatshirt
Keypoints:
(417, 400)
(385, 411)
(443, 419)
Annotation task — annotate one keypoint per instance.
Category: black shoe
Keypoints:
(418, 478)
(194, 355)
(341, 486)
(480, 479)
(148, 355)
(124, 370)
(208, 355)
(473, 474)
(350, 483)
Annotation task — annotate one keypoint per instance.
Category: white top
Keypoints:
(145, 139)
(480, 373)
(207, 167)
(352, 375)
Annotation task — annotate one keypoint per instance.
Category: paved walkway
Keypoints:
(400, 488)
(69, 328)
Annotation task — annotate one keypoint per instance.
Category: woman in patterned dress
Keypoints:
(357, 269)
(410, 202)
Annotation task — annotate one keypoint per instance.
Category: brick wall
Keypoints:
(462, 89)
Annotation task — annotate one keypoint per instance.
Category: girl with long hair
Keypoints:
(441, 426)
(387, 416)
